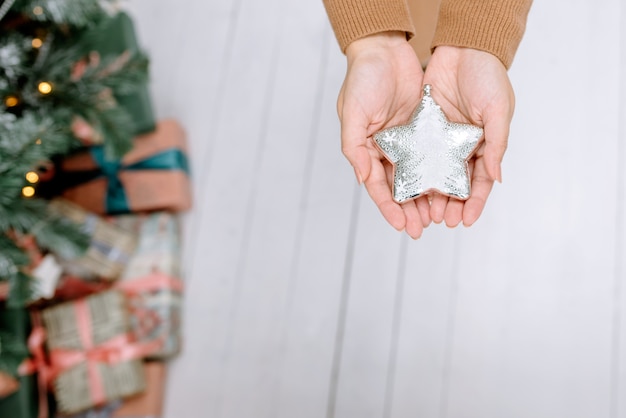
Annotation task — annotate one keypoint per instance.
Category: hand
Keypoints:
(472, 86)
(383, 85)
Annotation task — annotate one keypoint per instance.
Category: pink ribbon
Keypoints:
(37, 364)
(149, 283)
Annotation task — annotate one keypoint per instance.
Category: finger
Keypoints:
(496, 141)
(380, 192)
(482, 184)
(454, 212)
(424, 209)
(438, 207)
(414, 225)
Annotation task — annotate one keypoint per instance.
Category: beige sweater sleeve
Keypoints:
(354, 19)
(495, 26)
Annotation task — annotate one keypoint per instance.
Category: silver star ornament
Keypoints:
(429, 153)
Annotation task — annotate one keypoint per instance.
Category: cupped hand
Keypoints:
(382, 87)
(472, 86)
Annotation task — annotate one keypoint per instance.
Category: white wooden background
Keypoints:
(302, 303)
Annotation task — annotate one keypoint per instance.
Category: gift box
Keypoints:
(8, 385)
(105, 411)
(91, 353)
(110, 248)
(115, 36)
(152, 280)
(24, 402)
(153, 176)
(150, 403)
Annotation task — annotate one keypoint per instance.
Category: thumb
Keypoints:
(354, 143)
(496, 140)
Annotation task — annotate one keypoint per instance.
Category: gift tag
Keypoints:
(47, 274)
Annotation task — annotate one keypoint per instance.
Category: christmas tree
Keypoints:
(53, 83)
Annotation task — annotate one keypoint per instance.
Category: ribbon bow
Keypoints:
(117, 202)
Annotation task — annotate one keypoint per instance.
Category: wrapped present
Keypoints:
(153, 176)
(72, 287)
(105, 411)
(110, 248)
(8, 385)
(24, 402)
(92, 356)
(152, 280)
(150, 403)
(114, 37)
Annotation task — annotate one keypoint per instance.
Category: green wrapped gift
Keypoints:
(116, 36)
(24, 402)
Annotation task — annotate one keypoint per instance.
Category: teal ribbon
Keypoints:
(116, 199)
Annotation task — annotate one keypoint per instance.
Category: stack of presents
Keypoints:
(101, 329)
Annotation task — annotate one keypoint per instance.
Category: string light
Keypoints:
(37, 10)
(32, 177)
(44, 87)
(36, 43)
(11, 101)
(28, 191)
(38, 141)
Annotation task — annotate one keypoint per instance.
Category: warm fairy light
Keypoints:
(11, 101)
(36, 43)
(44, 87)
(32, 177)
(28, 191)
(38, 141)
(38, 10)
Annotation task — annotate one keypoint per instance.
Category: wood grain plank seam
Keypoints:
(343, 306)
(617, 357)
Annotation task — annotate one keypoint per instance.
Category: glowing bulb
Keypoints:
(32, 177)
(28, 191)
(11, 101)
(44, 87)
(38, 141)
(36, 43)
(38, 10)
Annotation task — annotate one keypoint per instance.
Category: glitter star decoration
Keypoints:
(429, 153)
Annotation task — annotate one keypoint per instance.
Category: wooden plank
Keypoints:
(363, 369)
(533, 319)
(425, 325)
(319, 261)
(276, 209)
(618, 381)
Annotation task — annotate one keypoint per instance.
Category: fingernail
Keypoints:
(499, 174)
(359, 179)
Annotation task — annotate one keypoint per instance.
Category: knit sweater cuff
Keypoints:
(495, 26)
(355, 19)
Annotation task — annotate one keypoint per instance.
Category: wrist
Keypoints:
(376, 41)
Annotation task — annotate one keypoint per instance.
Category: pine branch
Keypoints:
(13, 353)
(78, 13)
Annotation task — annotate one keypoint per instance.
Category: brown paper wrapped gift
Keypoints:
(8, 385)
(150, 403)
(154, 175)
(110, 248)
(92, 357)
